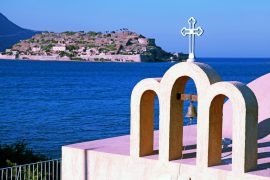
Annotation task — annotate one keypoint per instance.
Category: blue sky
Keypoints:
(232, 28)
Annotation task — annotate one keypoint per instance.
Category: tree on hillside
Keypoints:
(72, 47)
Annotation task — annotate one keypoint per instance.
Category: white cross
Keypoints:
(191, 32)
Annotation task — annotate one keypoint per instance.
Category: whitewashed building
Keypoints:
(36, 49)
(59, 48)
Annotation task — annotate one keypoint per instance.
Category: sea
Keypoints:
(48, 104)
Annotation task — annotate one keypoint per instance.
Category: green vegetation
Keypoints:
(141, 36)
(47, 48)
(92, 33)
(31, 40)
(81, 41)
(17, 154)
(124, 53)
(68, 54)
(111, 47)
(129, 43)
(54, 41)
(9, 53)
(72, 47)
(43, 41)
(102, 60)
(91, 46)
(63, 53)
(103, 50)
(69, 33)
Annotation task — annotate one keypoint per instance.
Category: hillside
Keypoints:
(121, 45)
(11, 33)
(117, 46)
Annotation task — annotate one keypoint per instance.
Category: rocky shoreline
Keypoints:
(119, 58)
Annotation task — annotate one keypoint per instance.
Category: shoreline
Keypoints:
(93, 58)
(86, 61)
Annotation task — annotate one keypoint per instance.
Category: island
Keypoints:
(110, 46)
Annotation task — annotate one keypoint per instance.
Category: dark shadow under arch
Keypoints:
(215, 130)
(264, 128)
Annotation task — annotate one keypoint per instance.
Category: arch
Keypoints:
(173, 81)
(142, 117)
(245, 122)
(210, 95)
(215, 130)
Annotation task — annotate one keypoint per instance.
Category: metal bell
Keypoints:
(191, 113)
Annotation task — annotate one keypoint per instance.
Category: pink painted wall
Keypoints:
(261, 88)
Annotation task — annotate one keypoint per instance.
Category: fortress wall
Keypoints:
(7, 56)
(113, 58)
(35, 57)
(116, 58)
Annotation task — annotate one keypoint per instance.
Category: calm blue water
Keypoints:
(50, 104)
